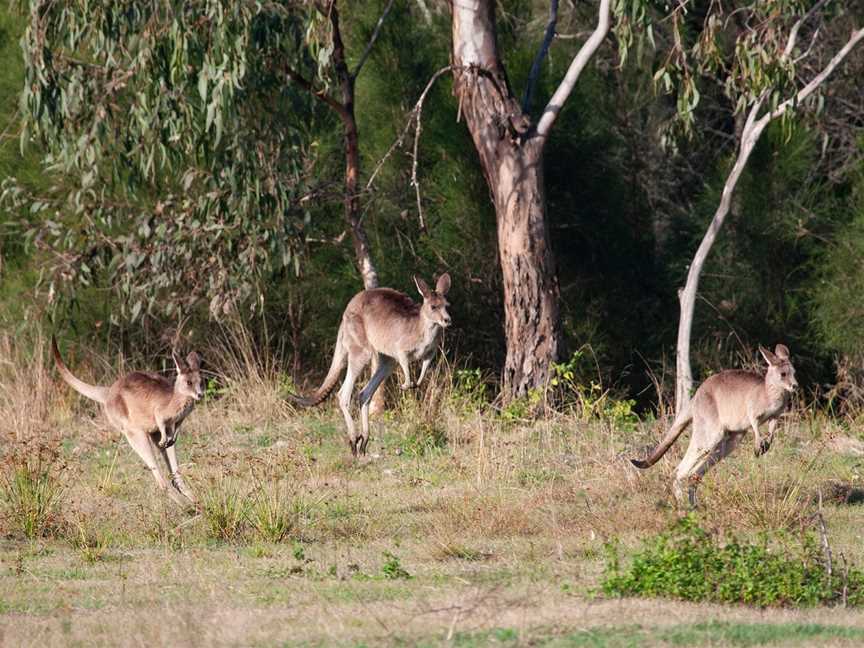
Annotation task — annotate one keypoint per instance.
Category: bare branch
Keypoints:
(415, 114)
(793, 33)
(550, 113)
(372, 40)
(541, 54)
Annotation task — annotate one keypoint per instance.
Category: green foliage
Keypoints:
(176, 143)
(591, 401)
(392, 568)
(470, 387)
(691, 564)
(424, 438)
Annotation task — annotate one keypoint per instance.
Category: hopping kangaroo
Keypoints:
(386, 327)
(724, 407)
(144, 405)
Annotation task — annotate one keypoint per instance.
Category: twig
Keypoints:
(415, 114)
(372, 40)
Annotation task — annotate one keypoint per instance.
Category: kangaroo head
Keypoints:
(781, 373)
(435, 304)
(188, 381)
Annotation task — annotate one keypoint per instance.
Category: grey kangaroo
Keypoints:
(144, 405)
(384, 326)
(724, 407)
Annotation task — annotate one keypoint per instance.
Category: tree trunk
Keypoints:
(511, 156)
(352, 157)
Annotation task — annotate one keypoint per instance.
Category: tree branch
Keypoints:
(793, 33)
(816, 81)
(322, 96)
(372, 40)
(550, 113)
(541, 54)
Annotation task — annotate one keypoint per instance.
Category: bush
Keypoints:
(691, 564)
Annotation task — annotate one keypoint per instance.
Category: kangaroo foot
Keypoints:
(406, 386)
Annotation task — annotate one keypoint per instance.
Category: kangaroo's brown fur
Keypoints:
(386, 327)
(143, 405)
(724, 407)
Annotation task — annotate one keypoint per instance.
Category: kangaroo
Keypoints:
(387, 327)
(142, 405)
(724, 407)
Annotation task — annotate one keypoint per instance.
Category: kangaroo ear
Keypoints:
(781, 351)
(770, 358)
(422, 287)
(443, 284)
(194, 361)
(179, 363)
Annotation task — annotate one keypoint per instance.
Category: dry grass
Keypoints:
(499, 523)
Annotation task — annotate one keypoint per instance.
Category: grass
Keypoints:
(459, 528)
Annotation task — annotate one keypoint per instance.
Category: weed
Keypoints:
(691, 564)
(423, 438)
(470, 388)
(392, 568)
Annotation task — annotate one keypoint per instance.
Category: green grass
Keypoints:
(713, 633)
(492, 534)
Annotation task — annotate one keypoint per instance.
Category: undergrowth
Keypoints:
(692, 564)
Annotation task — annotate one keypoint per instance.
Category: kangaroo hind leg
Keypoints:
(356, 363)
(143, 446)
(386, 364)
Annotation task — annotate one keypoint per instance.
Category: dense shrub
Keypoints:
(692, 564)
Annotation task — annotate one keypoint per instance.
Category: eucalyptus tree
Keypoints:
(180, 147)
(510, 143)
(760, 53)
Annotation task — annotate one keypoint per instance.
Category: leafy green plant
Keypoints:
(524, 408)
(692, 564)
(424, 438)
(470, 388)
(392, 568)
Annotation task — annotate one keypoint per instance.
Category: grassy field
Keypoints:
(464, 526)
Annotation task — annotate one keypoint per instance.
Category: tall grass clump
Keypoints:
(272, 511)
(32, 489)
(691, 564)
(225, 509)
(247, 373)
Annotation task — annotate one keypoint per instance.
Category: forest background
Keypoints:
(628, 200)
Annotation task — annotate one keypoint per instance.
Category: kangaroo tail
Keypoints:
(681, 422)
(93, 392)
(340, 359)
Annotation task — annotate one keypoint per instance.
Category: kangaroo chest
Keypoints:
(427, 343)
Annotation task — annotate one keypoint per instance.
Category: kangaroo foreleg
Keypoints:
(764, 443)
(423, 368)
(406, 371)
